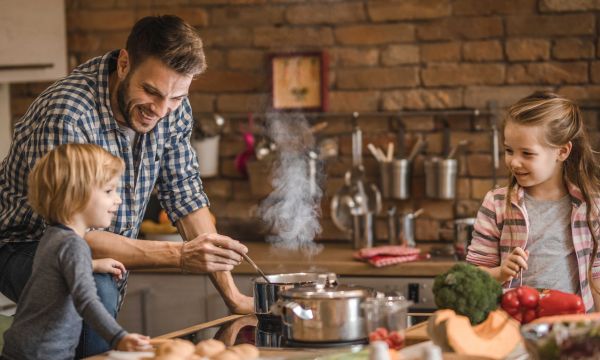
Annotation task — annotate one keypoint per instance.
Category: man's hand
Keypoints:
(109, 266)
(211, 252)
(242, 304)
(513, 263)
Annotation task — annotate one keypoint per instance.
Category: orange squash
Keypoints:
(495, 338)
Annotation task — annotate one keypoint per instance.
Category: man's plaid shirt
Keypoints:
(76, 109)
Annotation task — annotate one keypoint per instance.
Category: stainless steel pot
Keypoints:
(267, 294)
(323, 313)
(463, 233)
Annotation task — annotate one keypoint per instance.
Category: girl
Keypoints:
(543, 228)
(74, 187)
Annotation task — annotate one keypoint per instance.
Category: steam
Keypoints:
(292, 210)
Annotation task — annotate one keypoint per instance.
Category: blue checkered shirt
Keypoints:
(76, 109)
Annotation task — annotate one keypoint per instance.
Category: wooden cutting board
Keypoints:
(416, 334)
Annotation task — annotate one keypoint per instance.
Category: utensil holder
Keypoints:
(395, 179)
(362, 230)
(440, 178)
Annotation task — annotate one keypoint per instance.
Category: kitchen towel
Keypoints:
(381, 256)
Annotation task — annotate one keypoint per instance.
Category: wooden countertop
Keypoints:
(334, 258)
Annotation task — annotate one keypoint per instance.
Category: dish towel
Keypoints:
(387, 255)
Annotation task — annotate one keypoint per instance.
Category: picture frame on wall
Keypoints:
(299, 81)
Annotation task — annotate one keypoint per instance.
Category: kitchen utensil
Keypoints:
(406, 229)
(325, 312)
(401, 172)
(242, 158)
(388, 312)
(454, 149)
(463, 234)
(249, 260)
(417, 147)
(362, 230)
(391, 226)
(267, 293)
(440, 178)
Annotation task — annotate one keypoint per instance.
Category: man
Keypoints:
(132, 102)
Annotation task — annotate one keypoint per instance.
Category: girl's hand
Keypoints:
(513, 264)
(109, 266)
(134, 342)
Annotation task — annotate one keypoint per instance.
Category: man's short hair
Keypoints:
(61, 182)
(169, 39)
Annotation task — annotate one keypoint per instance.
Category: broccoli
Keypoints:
(468, 291)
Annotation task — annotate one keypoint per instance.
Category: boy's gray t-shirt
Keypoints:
(60, 292)
(552, 262)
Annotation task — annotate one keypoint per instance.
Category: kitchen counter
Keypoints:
(334, 258)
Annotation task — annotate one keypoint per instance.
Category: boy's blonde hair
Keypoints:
(61, 182)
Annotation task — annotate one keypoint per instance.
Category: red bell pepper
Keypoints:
(521, 303)
(554, 302)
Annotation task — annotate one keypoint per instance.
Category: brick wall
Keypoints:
(410, 55)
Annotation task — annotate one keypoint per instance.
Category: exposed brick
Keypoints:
(440, 52)
(92, 4)
(243, 102)
(461, 28)
(480, 96)
(479, 165)
(111, 41)
(272, 37)
(590, 118)
(337, 126)
(588, 95)
(463, 188)
(408, 9)
(595, 71)
(246, 15)
(202, 102)
(459, 122)
(215, 59)
(566, 5)
(493, 7)
(246, 59)
(377, 78)
(354, 100)
(241, 190)
(227, 168)
(548, 73)
(400, 54)
(194, 16)
(418, 123)
(353, 57)
(463, 74)
(330, 231)
(373, 124)
(477, 141)
(438, 209)
(435, 143)
(19, 105)
(427, 229)
(228, 81)
(546, 25)
(230, 146)
(94, 20)
(422, 99)
(83, 42)
(527, 49)
(573, 49)
(374, 34)
(228, 36)
(467, 208)
(480, 187)
(329, 13)
(488, 50)
(217, 188)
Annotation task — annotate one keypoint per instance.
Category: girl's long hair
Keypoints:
(562, 122)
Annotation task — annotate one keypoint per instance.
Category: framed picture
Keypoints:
(299, 81)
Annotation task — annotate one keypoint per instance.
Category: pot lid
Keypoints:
(328, 292)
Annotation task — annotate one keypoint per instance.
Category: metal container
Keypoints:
(362, 230)
(463, 234)
(323, 313)
(265, 294)
(440, 178)
(394, 179)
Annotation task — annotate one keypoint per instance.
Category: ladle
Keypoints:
(247, 258)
